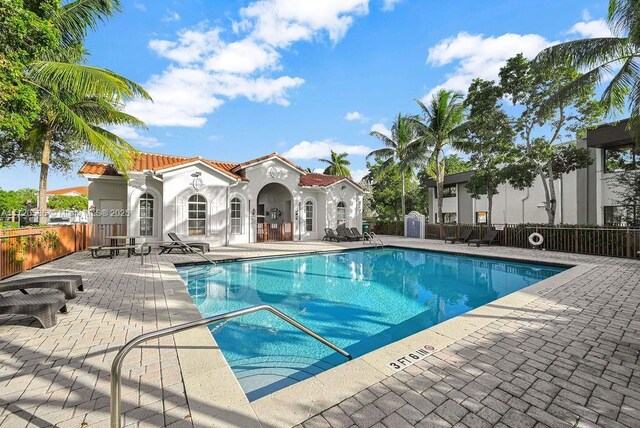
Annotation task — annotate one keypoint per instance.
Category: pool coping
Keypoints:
(223, 400)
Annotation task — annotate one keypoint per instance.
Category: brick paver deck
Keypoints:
(570, 358)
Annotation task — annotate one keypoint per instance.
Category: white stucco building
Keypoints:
(269, 198)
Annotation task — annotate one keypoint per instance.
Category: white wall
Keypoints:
(106, 195)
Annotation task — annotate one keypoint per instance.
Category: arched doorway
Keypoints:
(274, 213)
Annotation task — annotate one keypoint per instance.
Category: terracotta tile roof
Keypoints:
(323, 180)
(155, 162)
(83, 190)
(269, 156)
(98, 168)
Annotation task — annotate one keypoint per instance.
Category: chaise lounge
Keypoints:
(68, 284)
(179, 244)
(42, 306)
(330, 235)
(488, 239)
(345, 233)
(464, 237)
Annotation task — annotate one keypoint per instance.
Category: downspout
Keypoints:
(524, 199)
(226, 220)
(561, 200)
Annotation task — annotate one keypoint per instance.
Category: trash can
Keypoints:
(365, 227)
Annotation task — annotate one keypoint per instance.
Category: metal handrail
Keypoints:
(373, 236)
(116, 366)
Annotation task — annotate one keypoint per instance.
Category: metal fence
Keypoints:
(25, 248)
(613, 241)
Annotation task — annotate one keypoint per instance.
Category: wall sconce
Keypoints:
(253, 212)
(296, 214)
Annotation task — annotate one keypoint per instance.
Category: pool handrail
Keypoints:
(372, 236)
(116, 365)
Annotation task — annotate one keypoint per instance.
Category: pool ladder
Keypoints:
(372, 238)
(116, 366)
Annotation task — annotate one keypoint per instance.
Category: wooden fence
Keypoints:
(25, 248)
(610, 241)
(275, 232)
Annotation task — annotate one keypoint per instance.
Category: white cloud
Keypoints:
(476, 56)
(192, 46)
(358, 174)
(280, 23)
(134, 137)
(140, 6)
(381, 128)
(245, 56)
(322, 149)
(171, 16)
(318, 170)
(353, 116)
(181, 97)
(389, 5)
(208, 69)
(591, 28)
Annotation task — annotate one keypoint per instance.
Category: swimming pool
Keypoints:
(360, 300)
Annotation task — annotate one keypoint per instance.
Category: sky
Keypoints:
(234, 80)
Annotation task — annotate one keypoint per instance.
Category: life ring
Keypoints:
(536, 239)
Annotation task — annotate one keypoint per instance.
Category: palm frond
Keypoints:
(616, 91)
(100, 112)
(384, 153)
(586, 53)
(84, 81)
(75, 18)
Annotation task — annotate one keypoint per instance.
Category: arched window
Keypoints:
(146, 214)
(236, 216)
(308, 216)
(197, 215)
(341, 213)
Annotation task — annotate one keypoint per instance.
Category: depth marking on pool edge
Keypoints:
(412, 357)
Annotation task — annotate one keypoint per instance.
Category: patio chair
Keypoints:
(68, 284)
(202, 246)
(345, 233)
(331, 235)
(357, 234)
(41, 306)
(464, 237)
(488, 239)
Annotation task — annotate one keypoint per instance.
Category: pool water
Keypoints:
(360, 300)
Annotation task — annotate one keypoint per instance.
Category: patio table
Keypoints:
(132, 241)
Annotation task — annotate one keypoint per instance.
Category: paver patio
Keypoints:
(569, 358)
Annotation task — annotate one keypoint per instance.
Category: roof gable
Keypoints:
(324, 180)
(270, 156)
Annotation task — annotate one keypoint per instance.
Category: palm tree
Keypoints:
(603, 55)
(77, 101)
(403, 146)
(442, 118)
(338, 164)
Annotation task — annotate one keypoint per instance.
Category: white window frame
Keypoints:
(144, 214)
(235, 216)
(341, 213)
(201, 203)
(309, 219)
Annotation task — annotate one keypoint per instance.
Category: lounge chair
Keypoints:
(464, 237)
(345, 233)
(488, 239)
(202, 246)
(42, 306)
(68, 284)
(355, 232)
(331, 235)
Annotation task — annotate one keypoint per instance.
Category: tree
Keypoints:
(628, 196)
(544, 122)
(602, 56)
(403, 147)
(338, 164)
(385, 182)
(25, 34)
(77, 101)
(14, 202)
(488, 139)
(442, 118)
(68, 202)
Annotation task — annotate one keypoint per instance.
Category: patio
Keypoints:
(567, 357)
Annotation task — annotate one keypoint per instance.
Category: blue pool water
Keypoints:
(360, 300)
